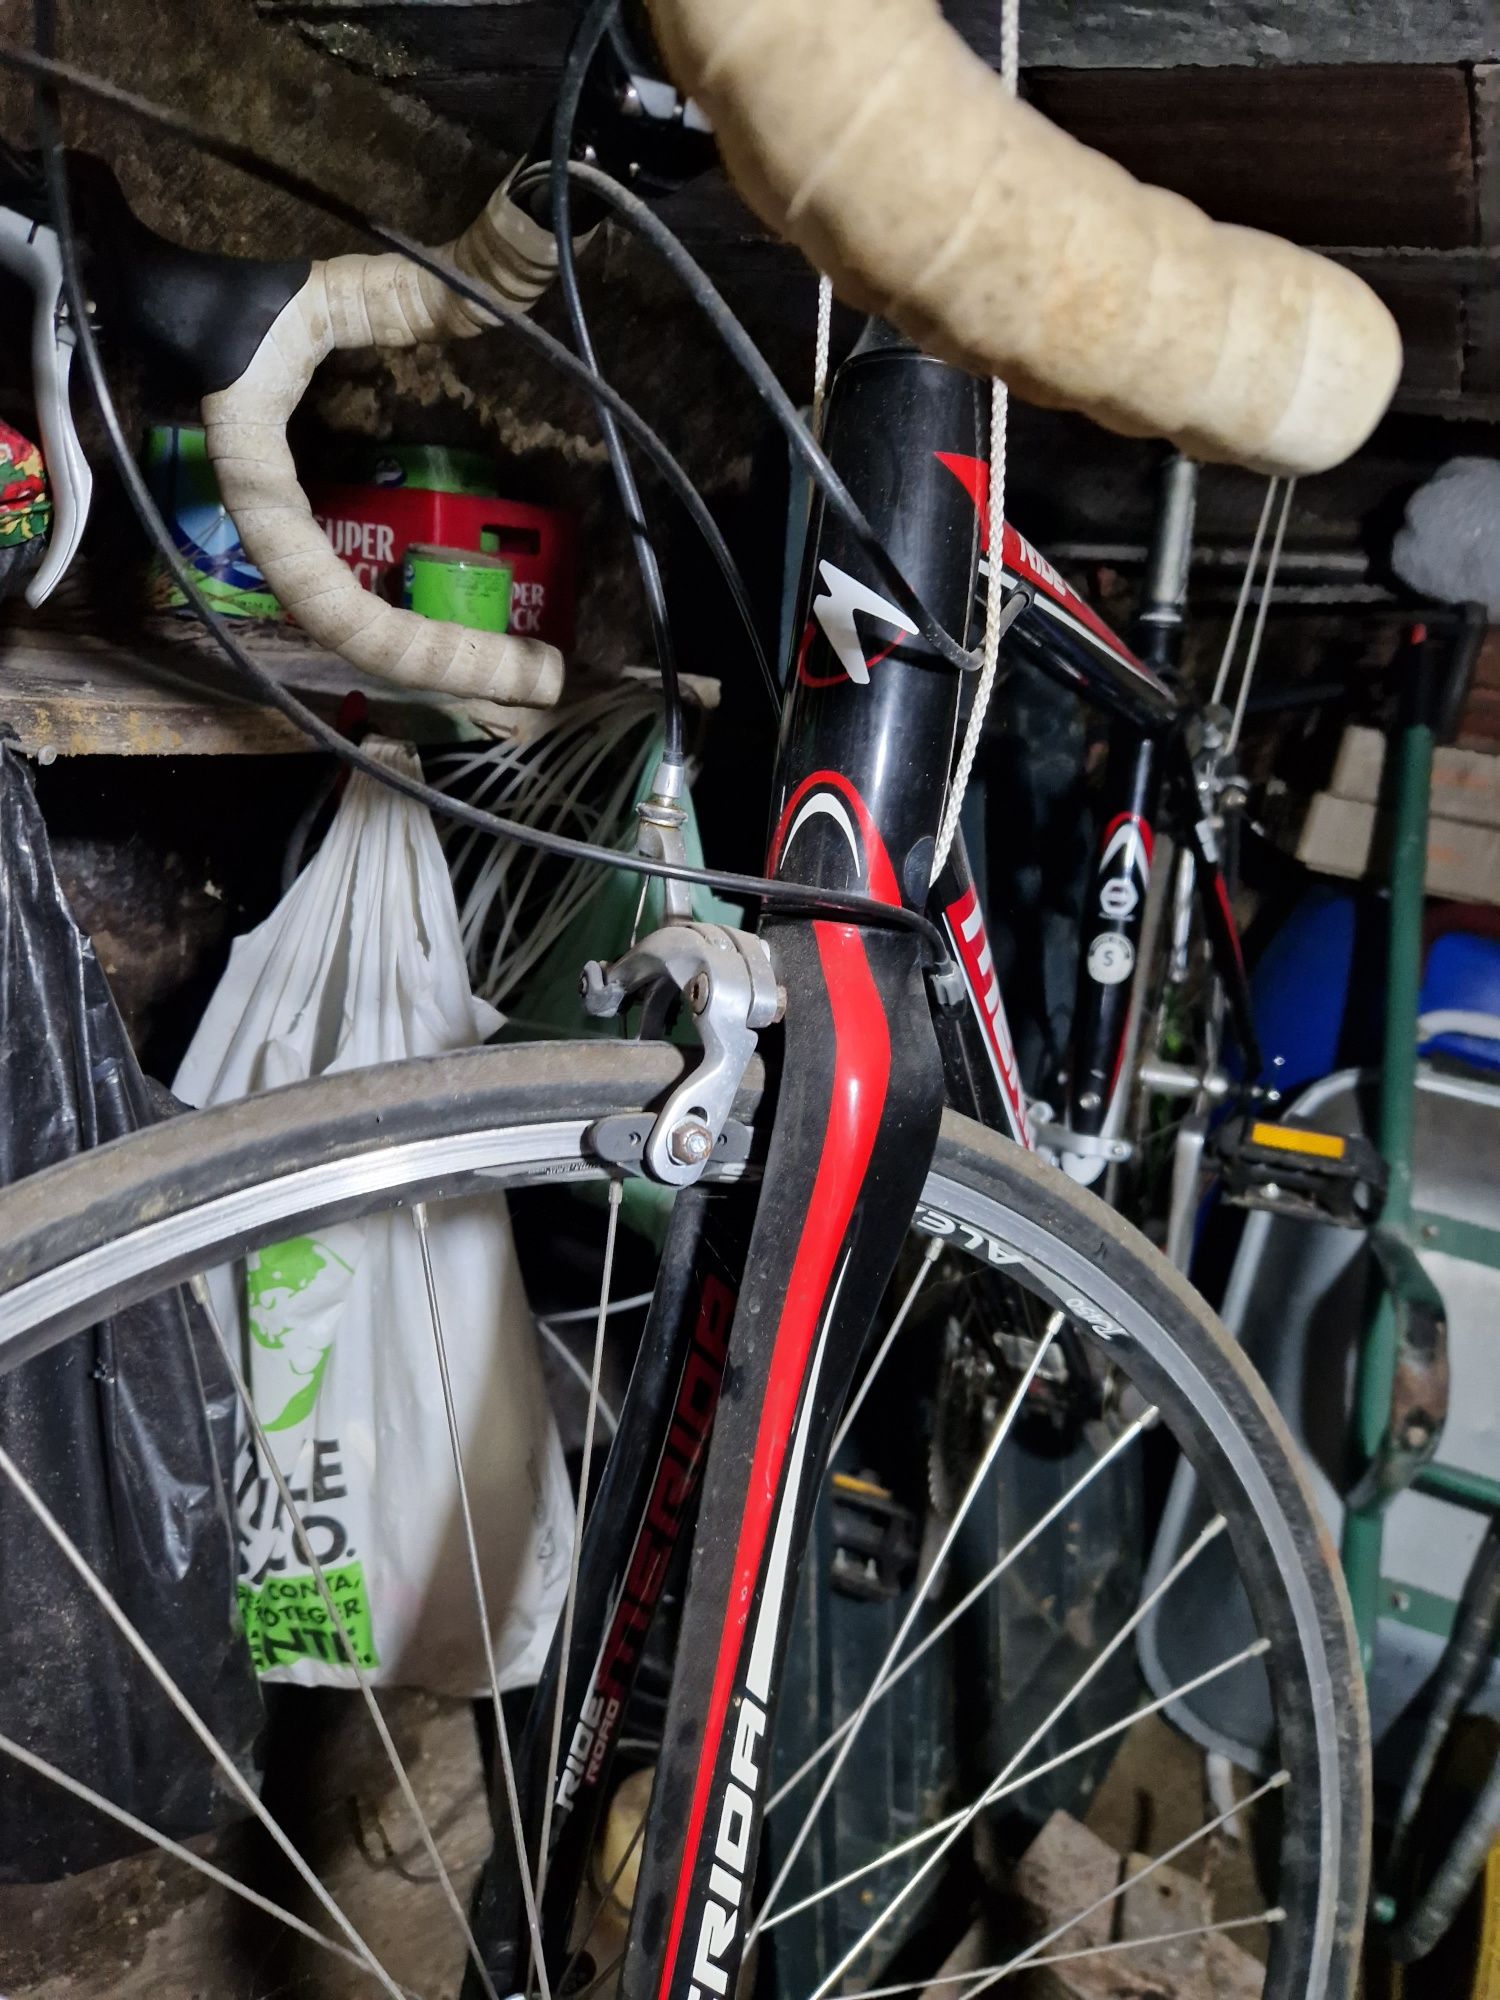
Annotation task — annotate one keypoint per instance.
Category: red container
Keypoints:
(371, 527)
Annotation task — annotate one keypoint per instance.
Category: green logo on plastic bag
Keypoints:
(273, 1276)
(286, 1620)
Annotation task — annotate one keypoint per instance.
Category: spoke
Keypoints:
(598, 1910)
(883, 1686)
(1031, 1955)
(481, 1602)
(599, 1977)
(57, 1776)
(226, 1764)
(929, 1257)
(570, 1601)
(1096, 1666)
(575, 1315)
(927, 1833)
(577, 1370)
(366, 1688)
(995, 1972)
(1261, 1919)
(971, 1492)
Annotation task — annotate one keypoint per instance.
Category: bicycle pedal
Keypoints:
(1299, 1170)
(875, 1541)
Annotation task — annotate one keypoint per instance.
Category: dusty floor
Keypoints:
(151, 1929)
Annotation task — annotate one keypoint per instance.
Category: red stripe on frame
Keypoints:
(880, 876)
(834, 679)
(1018, 556)
(861, 1075)
(1141, 827)
(1221, 897)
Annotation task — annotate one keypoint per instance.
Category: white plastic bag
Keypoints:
(361, 963)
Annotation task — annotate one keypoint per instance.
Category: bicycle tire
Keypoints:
(119, 1222)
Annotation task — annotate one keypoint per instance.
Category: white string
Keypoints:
(1232, 639)
(989, 659)
(1258, 630)
(820, 352)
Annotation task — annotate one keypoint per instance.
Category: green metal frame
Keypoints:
(1364, 1517)
(1407, 1307)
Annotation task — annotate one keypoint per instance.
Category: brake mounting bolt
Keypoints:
(690, 1143)
(696, 992)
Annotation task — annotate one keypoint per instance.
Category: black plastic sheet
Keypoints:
(127, 1434)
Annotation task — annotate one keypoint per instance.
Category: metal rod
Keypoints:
(1463, 1489)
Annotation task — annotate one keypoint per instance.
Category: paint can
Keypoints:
(457, 584)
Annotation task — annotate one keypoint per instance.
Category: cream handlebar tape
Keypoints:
(382, 301)
(870, 135)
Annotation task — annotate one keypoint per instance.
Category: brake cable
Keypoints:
(249, 160)
(47, 73)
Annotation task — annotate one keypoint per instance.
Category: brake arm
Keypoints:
(726, 978)
(29, 249)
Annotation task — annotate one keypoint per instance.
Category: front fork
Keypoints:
(858, 1106)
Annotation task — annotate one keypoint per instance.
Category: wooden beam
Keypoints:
(1366, 154)
(167, 692)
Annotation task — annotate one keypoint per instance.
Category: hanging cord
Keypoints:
(989, 658)
(1247, 581)
(1257, 632)
(821, 346)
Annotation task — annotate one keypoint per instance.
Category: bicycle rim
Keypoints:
(116, 1225)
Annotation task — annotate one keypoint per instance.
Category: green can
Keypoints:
(458, 584)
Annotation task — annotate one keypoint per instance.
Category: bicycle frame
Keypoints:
(765, 1304)
(1148, 767)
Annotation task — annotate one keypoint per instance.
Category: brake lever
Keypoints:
(30, 249)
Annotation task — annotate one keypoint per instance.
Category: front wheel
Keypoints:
(1023, 1302)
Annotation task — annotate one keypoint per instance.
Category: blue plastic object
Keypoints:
(1300, 987)
(1463, 971)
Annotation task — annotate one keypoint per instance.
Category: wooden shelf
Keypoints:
(165, 690)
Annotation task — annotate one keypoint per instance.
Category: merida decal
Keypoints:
(834, 609)
(719, 1923)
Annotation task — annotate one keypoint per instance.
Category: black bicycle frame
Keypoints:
(768, 1291)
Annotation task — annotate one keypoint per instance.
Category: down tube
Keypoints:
(856, 1122)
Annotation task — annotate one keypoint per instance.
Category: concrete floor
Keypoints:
(150, 1929)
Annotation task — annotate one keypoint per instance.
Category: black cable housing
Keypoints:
(793, 898)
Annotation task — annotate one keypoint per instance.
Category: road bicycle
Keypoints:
(879, 1326)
